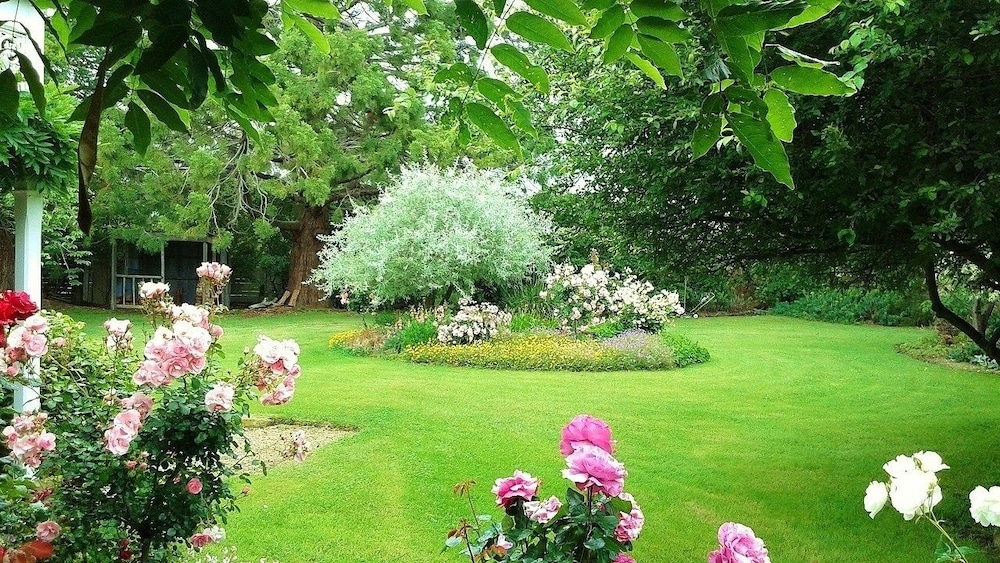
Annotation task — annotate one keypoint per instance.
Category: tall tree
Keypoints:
(901, 177)
(343, 121)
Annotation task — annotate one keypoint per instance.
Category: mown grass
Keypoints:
(781, 430)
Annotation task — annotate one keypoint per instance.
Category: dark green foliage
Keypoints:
(853, 305)
(385, 318)
(414, 333)
(686, 351)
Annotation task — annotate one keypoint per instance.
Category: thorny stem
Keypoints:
(585, 555)
(475, 516)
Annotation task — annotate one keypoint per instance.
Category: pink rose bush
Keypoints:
(28, 441)
(161, 419)
(913, 491)
(274, 366)
(738, 544)
(597, 522)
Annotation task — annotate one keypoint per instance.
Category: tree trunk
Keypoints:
(986, 342)
(6, 260)
(305, 248)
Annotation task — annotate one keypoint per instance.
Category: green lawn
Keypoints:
(782, 431)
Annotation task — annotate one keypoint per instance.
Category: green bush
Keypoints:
(527, 322)
(412, 334)
(607, 330)
(855, 305)
(385, 318)
(686, 352)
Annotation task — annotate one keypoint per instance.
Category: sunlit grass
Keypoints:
(781, 430)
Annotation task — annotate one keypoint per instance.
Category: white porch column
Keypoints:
(28, 205)
(24, 22)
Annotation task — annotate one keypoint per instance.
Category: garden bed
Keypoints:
(272, 443)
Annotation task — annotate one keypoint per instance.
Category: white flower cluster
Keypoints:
(584, 299)
(474, 322)
(913, 485)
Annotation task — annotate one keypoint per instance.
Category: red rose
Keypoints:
(15, 306)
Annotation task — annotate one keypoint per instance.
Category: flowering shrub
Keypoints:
(913, 491)
(474, 322)
(598, 521)
(147, 441)
(27, 438)
(591, 297)
(212, 280)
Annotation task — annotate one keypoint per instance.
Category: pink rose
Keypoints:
(738, 544)
(35, 344)
(542, 511)
(130, 421)
(521, 486)
(585, 430)
(220, 398)
(194, 486)
(118, 440)
(629, 523)
(281, 394)
(623, 558)
(36, 323)
(47, 531)
(593, 468)
(201, 539)
(140, 402)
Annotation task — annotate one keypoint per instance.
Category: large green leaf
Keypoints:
(495, 90)
(662, 54)
(747, 19)
(663, 9)
(522, 117)
(609, 21)
(9, 95)
(767, 151)
(162, 109)
(618, 43)
(743, 58)
(34, 82)
(510, 57)
(811, 81)
(309, 29)
(472, 18)
(494, 127)
(318, 8)
(138, 124)
(538, 30)
(664, 30)
(780, 114)
(705, 135)
(816, 10)
(165, 45)
(565, 10)
(647, 68)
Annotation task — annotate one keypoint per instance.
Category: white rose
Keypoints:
(876, 495)
(985, 506)
(914, 494)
